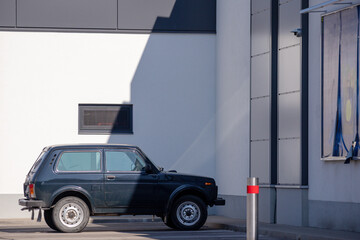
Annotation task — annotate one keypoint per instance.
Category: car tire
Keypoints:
(70, 214)
(189, 213)
(49, 219)
(168, 222)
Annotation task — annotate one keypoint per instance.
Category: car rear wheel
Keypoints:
(70, 214)
(49, 219)
(189, 213)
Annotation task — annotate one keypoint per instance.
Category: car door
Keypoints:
(79, 168)
(127, 186)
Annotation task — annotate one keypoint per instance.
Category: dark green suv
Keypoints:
(72, 182)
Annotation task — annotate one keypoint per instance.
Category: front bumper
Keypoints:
(31, 203)
(219, 201)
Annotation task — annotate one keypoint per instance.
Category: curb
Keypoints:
(224, 226)
(99, 220)
(286, 235)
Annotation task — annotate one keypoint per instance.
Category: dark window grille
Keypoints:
(105, 119)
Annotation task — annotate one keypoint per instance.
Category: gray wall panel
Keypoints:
(260, 29)
(99, 14)
(7, 13)
(289, 161)
(292, 206)
(289, 115)
(260, 118)
(111, 15)
(10, 207)
(162, 15)
(288, 21)
(260, 161)
(142, 14)
(289, 69)
(259, 5)
(267, 201)
(235, 206)
(260, 75)
(334, 215)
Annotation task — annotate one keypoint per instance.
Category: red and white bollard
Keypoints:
(252, 200)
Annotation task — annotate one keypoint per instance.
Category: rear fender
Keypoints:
(71, 188)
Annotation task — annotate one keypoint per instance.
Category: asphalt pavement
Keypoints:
(116, 228)
(146, 228)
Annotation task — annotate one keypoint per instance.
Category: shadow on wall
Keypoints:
(173, 97)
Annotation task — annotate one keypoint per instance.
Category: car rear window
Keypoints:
(37, 162)
(79, 161)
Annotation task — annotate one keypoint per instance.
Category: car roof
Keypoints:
(90, 145)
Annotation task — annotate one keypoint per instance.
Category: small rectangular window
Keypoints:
(105, 119)
(82, 161)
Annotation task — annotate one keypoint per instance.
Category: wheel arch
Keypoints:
(71, 191)
(182, 191)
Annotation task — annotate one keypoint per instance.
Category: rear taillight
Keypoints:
(32, 190)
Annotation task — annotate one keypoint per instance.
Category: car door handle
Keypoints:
(110, 177)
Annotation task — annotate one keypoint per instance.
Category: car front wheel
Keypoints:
(70, 214)
(189, 213)
(168, 222)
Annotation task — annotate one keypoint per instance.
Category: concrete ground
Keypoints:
(145, 228)
(116, 228)
(283, 231)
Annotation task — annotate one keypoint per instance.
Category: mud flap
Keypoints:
(39, 216)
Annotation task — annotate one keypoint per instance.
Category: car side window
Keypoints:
(123, 161)
(79, 161)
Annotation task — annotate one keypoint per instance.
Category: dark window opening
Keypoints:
(105, 119)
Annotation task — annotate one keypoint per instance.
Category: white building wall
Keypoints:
(233, 103)
(169, 79)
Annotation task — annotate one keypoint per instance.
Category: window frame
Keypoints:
(82, 130)
(67, 151)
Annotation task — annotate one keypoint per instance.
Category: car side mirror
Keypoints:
(147, 168)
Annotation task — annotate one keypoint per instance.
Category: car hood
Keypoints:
(188, 177)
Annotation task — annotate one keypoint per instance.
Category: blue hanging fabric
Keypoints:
(353, 151)
(357, 86)
(338, 139)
